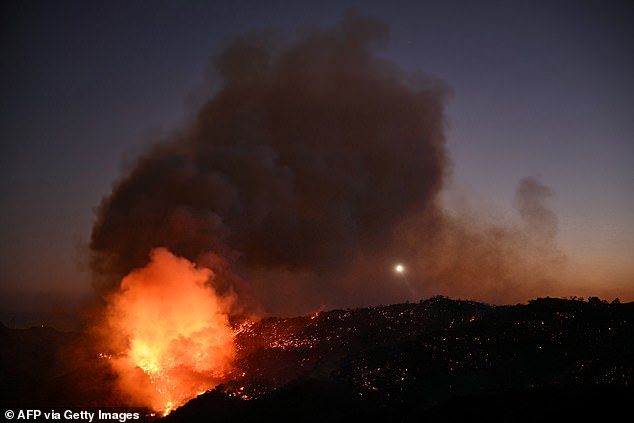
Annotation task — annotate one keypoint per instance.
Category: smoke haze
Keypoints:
(531, 199)
(466, 255)
(312, 168)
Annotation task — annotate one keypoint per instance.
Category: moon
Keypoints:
(399, 268)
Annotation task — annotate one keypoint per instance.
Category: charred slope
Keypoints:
(433, 359)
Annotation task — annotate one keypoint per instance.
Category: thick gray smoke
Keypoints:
(313, 166)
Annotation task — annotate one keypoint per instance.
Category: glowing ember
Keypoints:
(174, 332)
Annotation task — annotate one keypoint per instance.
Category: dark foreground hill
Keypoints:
(437, 360)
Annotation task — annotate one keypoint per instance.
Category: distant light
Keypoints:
(399, 268)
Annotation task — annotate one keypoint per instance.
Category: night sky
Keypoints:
(541, 89)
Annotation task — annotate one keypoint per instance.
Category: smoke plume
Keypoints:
(314, 165)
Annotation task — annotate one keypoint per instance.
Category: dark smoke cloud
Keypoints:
(313, 166)
(304, 156)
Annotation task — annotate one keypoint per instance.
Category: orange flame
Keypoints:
(174, 330)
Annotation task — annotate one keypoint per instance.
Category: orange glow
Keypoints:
(172, 330)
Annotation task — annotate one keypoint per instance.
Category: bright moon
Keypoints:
(399, 268)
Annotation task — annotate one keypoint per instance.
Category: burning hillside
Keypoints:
(404, 362)
(403, 359)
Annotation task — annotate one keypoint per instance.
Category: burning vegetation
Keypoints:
(170, 332)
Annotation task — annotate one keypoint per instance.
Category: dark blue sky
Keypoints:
(539, 88)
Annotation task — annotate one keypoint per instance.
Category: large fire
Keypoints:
(171, 331)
